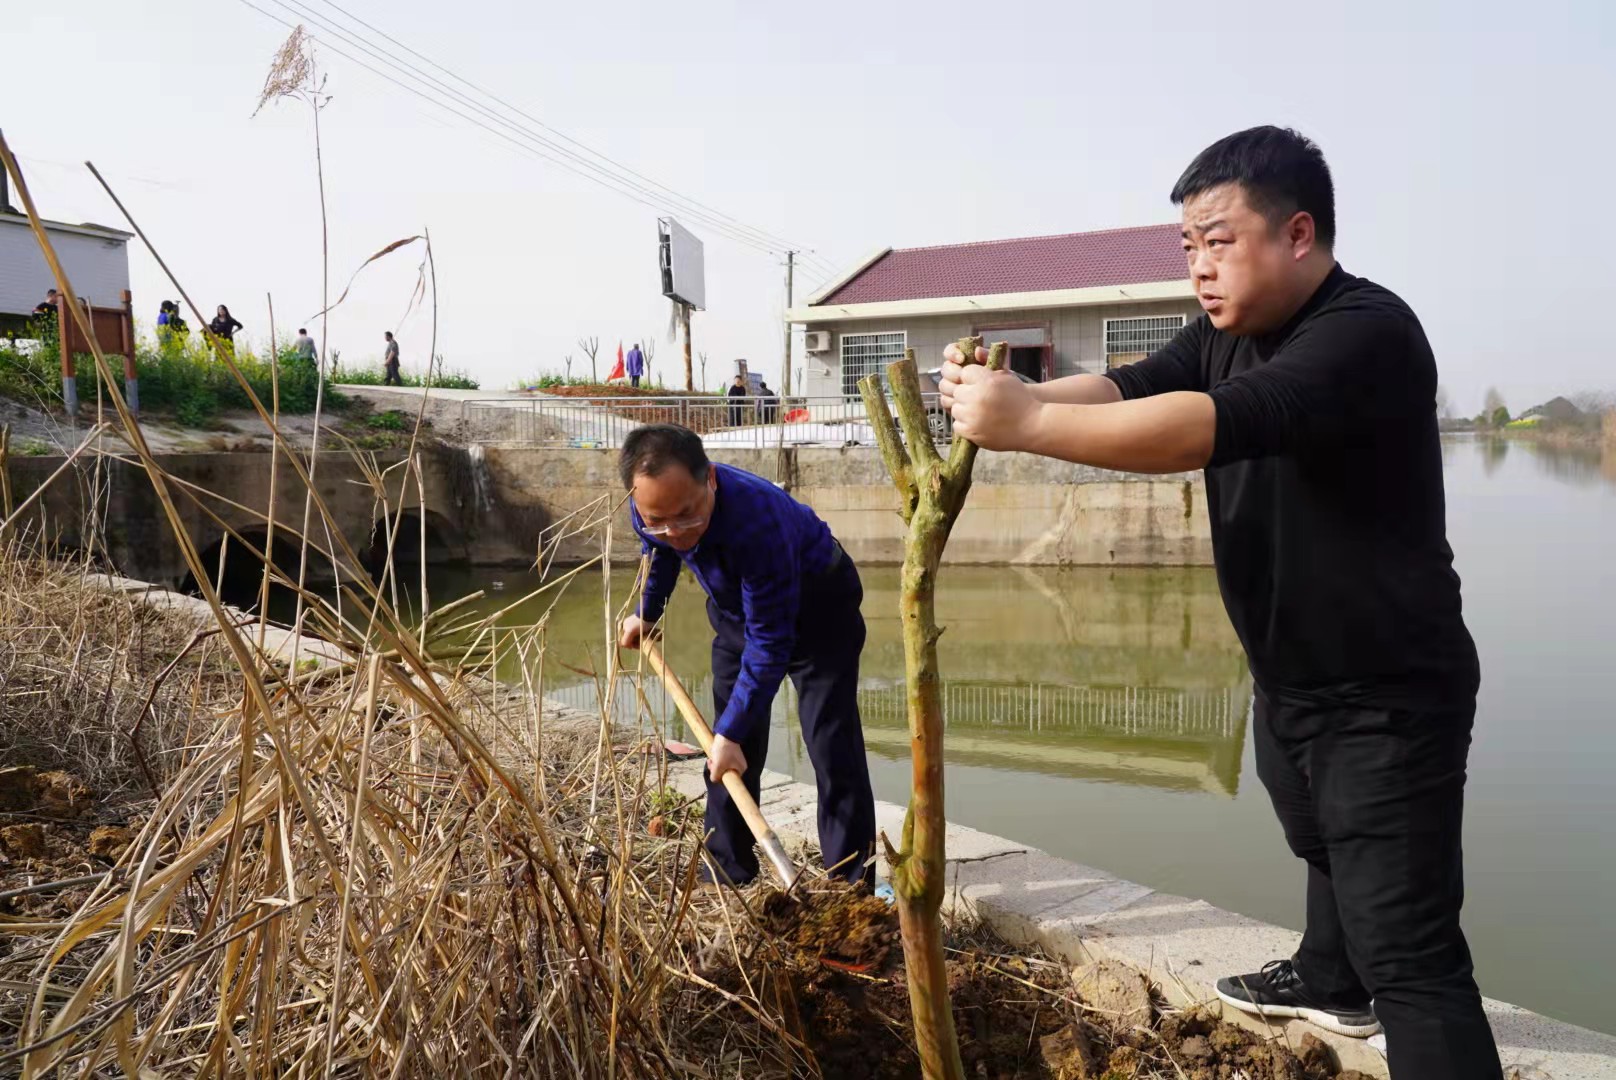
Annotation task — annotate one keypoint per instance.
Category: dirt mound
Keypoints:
(842, 991)
(838, 925)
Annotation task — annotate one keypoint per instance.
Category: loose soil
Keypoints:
(833, 967)
(52, 829)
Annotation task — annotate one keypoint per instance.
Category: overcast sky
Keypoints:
(1470, 143)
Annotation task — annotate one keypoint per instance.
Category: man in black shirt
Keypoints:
(1308, 396)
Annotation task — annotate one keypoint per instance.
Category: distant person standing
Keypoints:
(636, 365)
(169, 324)
(224, 325)
(737, 400)
(46, 308)
(768, 402)
(304, 346)
(390, 362)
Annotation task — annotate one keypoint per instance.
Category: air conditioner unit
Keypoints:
(816, 340)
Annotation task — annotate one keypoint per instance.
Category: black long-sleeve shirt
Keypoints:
(1325, 492)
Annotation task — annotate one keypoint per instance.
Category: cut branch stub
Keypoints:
(890, 445)
(905, 382)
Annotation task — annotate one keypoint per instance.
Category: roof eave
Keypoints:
(830, 287)
(1139, 292)
(100, 231)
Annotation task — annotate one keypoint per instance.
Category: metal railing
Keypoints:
(589, 423)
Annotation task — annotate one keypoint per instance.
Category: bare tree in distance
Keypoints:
(567, 366)
(703, 372)
(648, 350)
(591, 346)
(1492, 406)
(1593, 401)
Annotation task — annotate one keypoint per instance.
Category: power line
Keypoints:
(600, 173)
(620, 186)
(779, 242)
(711, 219)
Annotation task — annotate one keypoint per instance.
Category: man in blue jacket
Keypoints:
(783, 599)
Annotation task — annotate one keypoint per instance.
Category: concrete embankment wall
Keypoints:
(501, 505)
(1022, 509)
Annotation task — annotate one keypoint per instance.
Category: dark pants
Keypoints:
(390, 375)
(825, 670)
(1373, 801)
(634, 380)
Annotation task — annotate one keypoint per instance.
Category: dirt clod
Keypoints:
(843, 925)
(63, 795)
(23, 841)
(1316, 1056)
(1119, 993)
(1069, 1054)
(1195, 1048)
(110, 841)
(17, 786)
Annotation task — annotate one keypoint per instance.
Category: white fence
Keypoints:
(587, 423)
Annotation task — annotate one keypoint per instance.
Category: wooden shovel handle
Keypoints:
(733, 783)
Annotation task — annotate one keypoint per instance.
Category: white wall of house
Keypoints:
(1077, 333)
(98, 266)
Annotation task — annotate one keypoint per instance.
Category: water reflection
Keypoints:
(1585, 464)
(1126, 676)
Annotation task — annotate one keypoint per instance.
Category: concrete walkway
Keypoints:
(1081, 914)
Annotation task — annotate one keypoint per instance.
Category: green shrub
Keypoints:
(391, 420)
(179, 377)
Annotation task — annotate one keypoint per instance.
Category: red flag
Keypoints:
(617, 372)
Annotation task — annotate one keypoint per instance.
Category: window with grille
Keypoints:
(1128, 340)
(868, 354)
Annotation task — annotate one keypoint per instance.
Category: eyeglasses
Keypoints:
(676, 525)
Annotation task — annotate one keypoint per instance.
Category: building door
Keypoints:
(1027, 360)
(1032, 354)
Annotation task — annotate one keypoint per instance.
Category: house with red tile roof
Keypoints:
(1082, 302)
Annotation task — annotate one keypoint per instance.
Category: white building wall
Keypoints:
(98, 267)
(1077, 334)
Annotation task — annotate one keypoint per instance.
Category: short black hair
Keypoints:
(1280, 170)
(387, 333)
(651, 448)
(302, 330)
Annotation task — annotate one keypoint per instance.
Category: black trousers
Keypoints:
(825, 670)
(634, 380)
(1373, 801)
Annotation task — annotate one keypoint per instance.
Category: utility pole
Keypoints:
(791, 265)
(684, 320)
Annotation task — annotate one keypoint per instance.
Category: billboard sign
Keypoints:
(680, 257)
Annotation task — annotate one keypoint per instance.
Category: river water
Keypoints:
(1102, 715)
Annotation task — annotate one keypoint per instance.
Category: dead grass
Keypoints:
(95, 683)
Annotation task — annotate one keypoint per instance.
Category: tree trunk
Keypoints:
(932, 492)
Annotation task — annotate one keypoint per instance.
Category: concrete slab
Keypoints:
(1080, 913)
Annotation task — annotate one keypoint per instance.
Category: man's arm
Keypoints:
(1166, 433)
(1078, 390)
(770, 600)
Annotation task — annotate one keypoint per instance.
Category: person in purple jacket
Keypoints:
(783, 600)
(635, 365)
